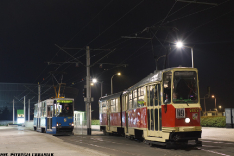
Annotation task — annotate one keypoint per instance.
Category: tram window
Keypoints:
(48, 112)
(160, 119)
(156, 96)
(117, 105)
(100, 107)
(113, 106)
(159, 94)
(135, 99)
(151, 95)
(130, 101)
(185, 87)
(43, 109)
(55, 110)
(167, 87)
(126, 102)
(35, 110)
(156, 119)
(140, 100)
(152, 119)
(148, 95)
(104, 107)
(148, 119)
(123, 103)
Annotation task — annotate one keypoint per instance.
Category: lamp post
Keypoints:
(112, 83)
(215, 103)
(179, 44)
(96, 81)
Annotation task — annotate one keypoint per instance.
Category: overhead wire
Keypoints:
(197, 12)
(114, 23)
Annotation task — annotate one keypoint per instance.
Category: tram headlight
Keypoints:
(187, 120)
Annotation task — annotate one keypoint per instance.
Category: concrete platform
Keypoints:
(24, 140)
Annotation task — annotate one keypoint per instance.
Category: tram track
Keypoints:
(119, 146)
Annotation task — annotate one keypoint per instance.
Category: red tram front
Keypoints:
(163, 108)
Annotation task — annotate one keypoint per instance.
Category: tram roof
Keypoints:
(152, 77)
(112, 96)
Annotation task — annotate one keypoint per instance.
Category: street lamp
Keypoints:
(112, 83)
(220, 107)
(96, 81)
(180, 44)
(215, 101)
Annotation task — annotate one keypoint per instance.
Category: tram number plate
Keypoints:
(180, 113)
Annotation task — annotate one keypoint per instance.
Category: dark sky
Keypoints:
(29, 31)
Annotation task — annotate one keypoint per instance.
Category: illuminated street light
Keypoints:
(215, 101)
(220, 107)
(94, 80)
(112, 83)
(180, 44)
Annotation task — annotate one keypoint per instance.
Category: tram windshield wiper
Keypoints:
(186, 103)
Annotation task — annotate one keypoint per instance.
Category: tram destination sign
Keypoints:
(184, 73)
(64, 101)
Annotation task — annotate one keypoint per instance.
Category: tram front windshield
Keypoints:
(64, 109)
(185, 87)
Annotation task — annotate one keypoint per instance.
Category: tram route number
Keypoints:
(180, 113)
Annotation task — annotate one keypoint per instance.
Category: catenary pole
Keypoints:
(13, 112)
(88, 101)
(24, 110)
(28, 110)
(39, 93)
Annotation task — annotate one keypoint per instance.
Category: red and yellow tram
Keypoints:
(163, 108)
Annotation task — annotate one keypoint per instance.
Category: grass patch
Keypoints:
(213, 121)
(95, 122)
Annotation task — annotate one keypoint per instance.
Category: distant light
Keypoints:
(20, 120)
(179, 44)
(91, 84)
(213, 96)
(94, 80)
(118, 73)
(220, 107)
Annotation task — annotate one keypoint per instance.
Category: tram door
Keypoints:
(49, 117)
(108, 115)
(154, 110)
(126, 108)
(39, 116)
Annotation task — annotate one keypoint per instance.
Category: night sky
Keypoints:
(29, 31)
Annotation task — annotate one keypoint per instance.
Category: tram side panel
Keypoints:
(103, 121)
(115, 121)
(137, 119)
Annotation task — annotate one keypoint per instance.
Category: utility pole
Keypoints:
(13, 112)
(39, 93)
(88, 102)
(24, 110)
(88, 98)
(101, 88)
(28, 110)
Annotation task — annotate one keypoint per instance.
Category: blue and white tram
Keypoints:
(54, 116)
